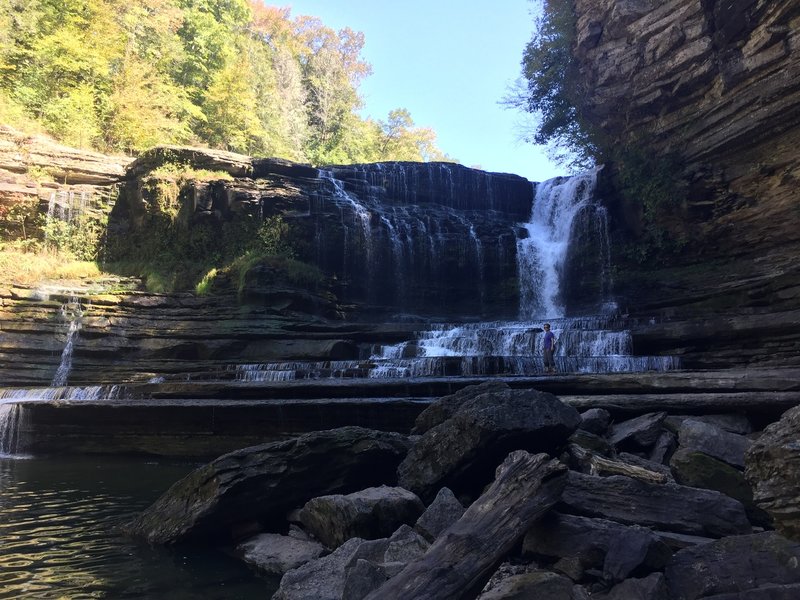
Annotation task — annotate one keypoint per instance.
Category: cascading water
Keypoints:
(542, 253)
(10, 418)
(74, 312)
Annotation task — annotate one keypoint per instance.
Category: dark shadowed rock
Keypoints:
(277, 554)
(767, 592)
(443, 512)
(641, 432)
(595, 420)
(711, 440)
(652, 587)
(256, 486)
(645, 463)
(617, 549)
(773, 469)
(444, 408)
(730, 422)
(369, 514)
(533, 585)
(464, 556)
(463, 451)
(591, 442)
(664, 447)
(733, 565)
(354, 569)
(696, 469)
(669, 506)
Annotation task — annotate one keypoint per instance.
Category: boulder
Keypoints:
(354, 569)
(664, 447)
(463, 451)
(699, 470)
(598, 543)
(443, 512)
(730, 422)
(591, 442)
(534, 584)
(773, 469)
(595, 420)
(464, 556)
(639, 432)
(445, 407)
(255, 487)
(369, 514)
(669, 506)
(733, 565)
(652, 587)
(713, 441)
(276, 554)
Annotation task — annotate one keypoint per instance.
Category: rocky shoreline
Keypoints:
(503, 493)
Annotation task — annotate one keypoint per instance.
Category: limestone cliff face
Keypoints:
(716, 84)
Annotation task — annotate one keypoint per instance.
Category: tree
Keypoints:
(552, 92)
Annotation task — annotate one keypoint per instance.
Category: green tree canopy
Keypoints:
(233, 74)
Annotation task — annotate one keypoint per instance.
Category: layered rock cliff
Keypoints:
(713, 87)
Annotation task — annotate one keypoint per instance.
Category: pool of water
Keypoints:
(58, 536)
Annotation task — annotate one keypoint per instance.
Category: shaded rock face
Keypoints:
(712, 84)
(429, 238)
(772, 469)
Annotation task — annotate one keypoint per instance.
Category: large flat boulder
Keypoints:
(734, 565)
(669, 506)
(252, 488)
(713, 441)
(463, 451)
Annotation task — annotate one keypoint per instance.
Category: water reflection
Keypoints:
(58, 537)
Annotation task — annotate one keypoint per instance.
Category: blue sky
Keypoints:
(449, 62)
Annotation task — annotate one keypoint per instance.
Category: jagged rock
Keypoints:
(664, 447)
(595, 420)
(257, 486)
(641, 432)
(321, 579)
(773, 469)
(237, 165)
(445, 407)
(591, 442)
(525, 488)
(733, 565)
(767, 592)
(534, 584)
(19, 153)
(277, 554)
(669, 506)
(442, 512)
(597, 543)
(369, 514)
(463, 451)
(354, 569)
(652, 587)
(730, 422)
(696, 469)
(711, 440)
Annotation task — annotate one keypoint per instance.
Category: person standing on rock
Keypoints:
(549, 348)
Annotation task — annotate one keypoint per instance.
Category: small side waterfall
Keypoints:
(10, 421)
(74, 312)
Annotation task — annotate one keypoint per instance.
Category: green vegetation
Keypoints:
(231, 74)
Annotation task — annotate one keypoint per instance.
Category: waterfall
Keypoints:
(10, 421)
(73, 311)
(542, 253)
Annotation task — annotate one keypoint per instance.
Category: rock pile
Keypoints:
(570, 506)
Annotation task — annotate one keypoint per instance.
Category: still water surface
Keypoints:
(58, 538)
